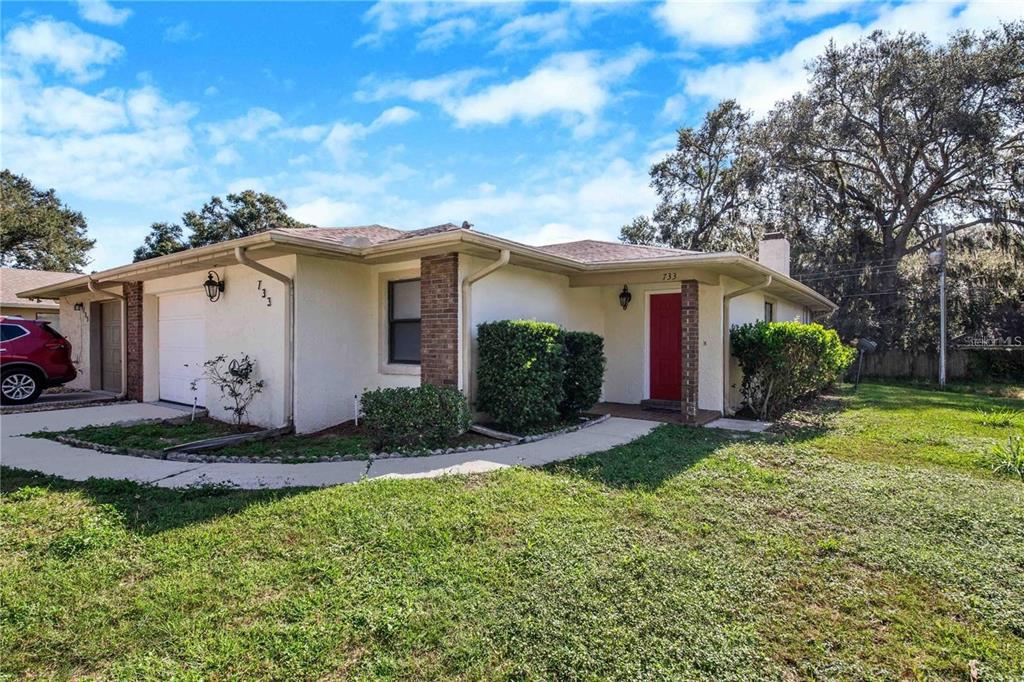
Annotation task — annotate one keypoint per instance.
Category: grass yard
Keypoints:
(155, 436)
(873, 543)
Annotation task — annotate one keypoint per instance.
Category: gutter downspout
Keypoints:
(467, 283)
(289, 323)
(124, 335)
(725, 335)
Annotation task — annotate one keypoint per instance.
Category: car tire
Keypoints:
(19, 386)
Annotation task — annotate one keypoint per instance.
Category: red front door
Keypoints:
(666, 347)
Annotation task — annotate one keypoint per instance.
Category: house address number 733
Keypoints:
(263, 290)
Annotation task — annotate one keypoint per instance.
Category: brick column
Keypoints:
(439, 320)
(133, 332)
(689, 299)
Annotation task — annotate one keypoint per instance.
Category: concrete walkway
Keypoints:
(51, 457)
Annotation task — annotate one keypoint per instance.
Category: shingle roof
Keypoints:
(13, 280)
(584, 251)
(594, 251)
(339, 235)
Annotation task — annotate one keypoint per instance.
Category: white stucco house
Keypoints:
(327, 313)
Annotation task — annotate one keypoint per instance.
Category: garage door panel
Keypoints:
(182, 333)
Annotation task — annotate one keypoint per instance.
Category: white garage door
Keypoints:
(182, 346)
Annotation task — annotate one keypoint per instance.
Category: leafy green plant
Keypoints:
(424, 416)
(520, 372)
(584, 372)
(783, 361)
(236, 381)
(1008, 458)
(1000, 417)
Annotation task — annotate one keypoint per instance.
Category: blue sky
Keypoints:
(535, 121)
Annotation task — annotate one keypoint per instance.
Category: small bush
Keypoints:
(783, 361)
(520, 372)
(584, 372)
(1008, 458)
(424, 416)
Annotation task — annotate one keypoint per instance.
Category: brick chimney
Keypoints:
(773, 251)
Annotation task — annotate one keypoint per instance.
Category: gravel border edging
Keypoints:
(221, 459)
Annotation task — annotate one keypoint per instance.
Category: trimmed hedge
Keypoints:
(584, 372)
(424, 416)
(783, 361)
(520, 372)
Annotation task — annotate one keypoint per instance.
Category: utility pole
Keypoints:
(942, 309)
(938, 260)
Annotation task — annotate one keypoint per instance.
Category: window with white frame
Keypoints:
(404, 322)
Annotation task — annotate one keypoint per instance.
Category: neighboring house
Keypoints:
(329, 312)
(13, 280)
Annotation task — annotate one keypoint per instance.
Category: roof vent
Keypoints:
(466, 225)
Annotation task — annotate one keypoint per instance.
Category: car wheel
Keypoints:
(19, 386)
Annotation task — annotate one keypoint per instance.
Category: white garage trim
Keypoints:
(182, 346)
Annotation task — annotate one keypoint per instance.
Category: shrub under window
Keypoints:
(783, 361)
(424, 416)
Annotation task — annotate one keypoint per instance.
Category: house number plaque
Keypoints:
(263, 292)
(669, 276)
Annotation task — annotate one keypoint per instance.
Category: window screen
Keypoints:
(404, 322)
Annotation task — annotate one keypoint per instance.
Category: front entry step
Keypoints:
(661, 405)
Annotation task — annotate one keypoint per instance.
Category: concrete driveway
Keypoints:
(51, 457)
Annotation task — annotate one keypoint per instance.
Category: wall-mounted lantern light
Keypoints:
(79, 307)
(625, 297)
(214, 286)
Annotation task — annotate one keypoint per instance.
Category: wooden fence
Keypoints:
(898, 364)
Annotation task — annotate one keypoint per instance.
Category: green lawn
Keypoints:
(870, 544)
(154, 436)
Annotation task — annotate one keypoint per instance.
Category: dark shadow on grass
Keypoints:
(671, 449)
(149, 509)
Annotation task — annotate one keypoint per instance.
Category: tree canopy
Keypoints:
(237, 215)
(39, 232)
(894, 140)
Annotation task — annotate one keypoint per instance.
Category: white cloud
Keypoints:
(341, 136)
(573, 85)
(245, 128)
(326, 212)
(148, 109)
(710, 23)
(310, 133)
(443, 181)
(101, 12)
(64, 46)
(227, 157)
(393, 116)
(534, 30)
(760, 82)
(181, 32)
(211, 91)
(61, 109)
(444, 33)
(439, 88)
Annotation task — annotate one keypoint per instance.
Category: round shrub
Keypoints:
(783, 361)
(584, 372)
(425, 416)
(519, 375)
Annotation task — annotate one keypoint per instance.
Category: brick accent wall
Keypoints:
(439, 320)
(689, 299)
(133, 332)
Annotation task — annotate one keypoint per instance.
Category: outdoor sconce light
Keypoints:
(79, 307)
(214, 286)
(625, 297)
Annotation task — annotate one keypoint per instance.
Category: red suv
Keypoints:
(33, 356)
